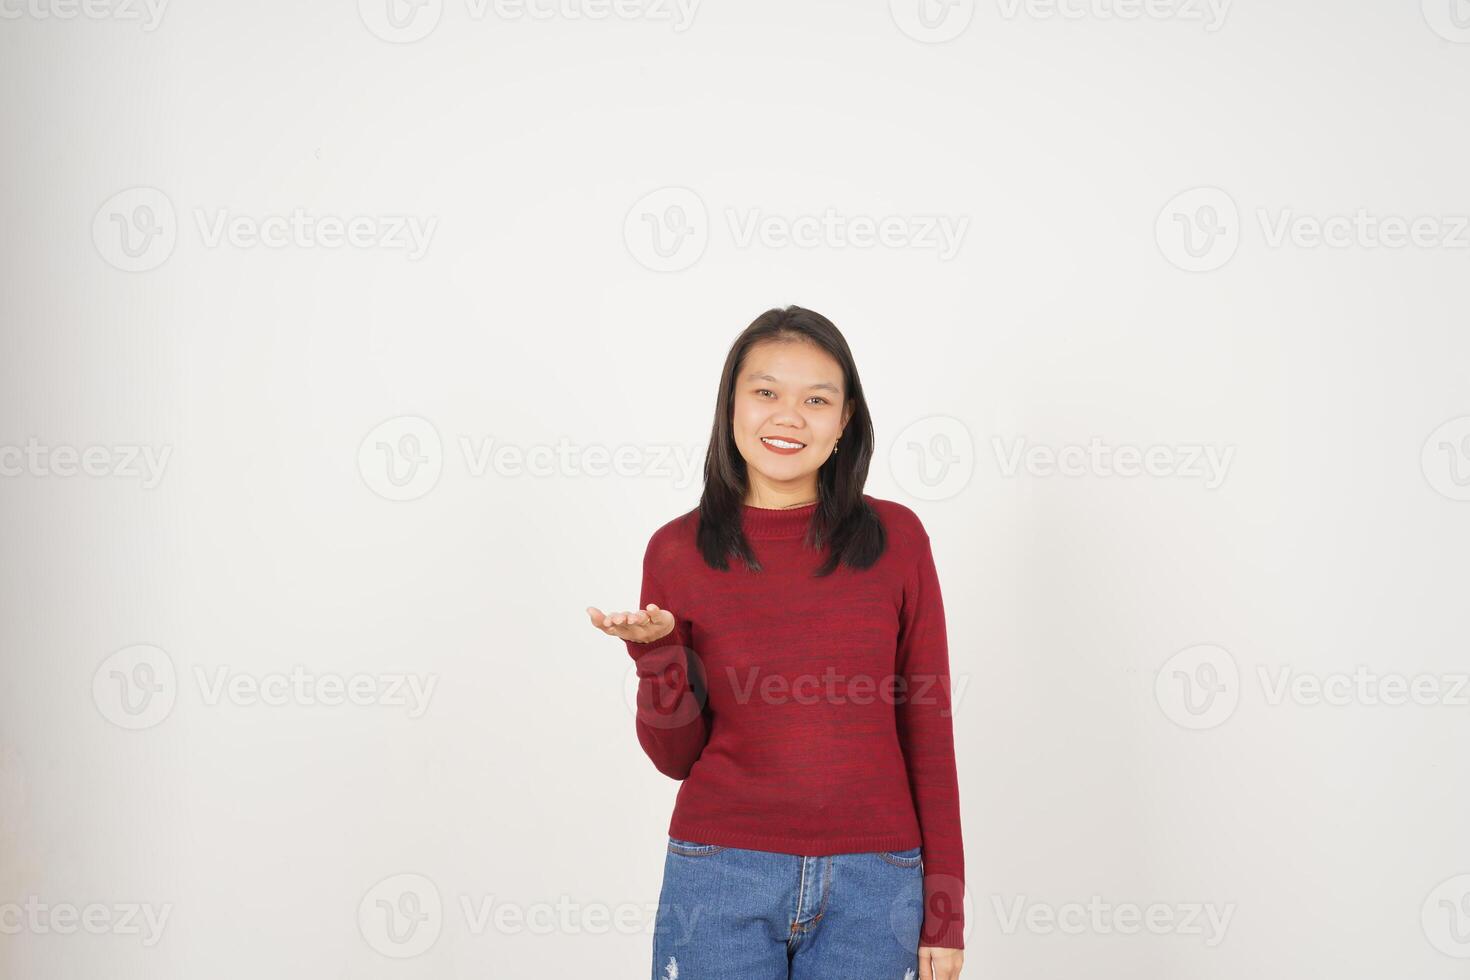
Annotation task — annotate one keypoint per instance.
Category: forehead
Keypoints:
(792, 363)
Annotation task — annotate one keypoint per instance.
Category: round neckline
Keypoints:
(776, 522)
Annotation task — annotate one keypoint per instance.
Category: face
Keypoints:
(790, 391)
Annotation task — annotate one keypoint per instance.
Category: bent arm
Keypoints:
(672, 724)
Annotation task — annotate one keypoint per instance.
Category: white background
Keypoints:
(541, 314)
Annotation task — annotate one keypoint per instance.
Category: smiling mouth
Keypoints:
(782, 443)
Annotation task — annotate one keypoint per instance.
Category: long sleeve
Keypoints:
(926, 735)
(672, 723)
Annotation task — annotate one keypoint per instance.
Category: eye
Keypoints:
(820, 399)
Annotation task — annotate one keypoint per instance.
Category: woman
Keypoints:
(802, 695)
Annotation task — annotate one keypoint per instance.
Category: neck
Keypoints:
(771, 499)
(777, 522)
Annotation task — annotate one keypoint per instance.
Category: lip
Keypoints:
(778, 450)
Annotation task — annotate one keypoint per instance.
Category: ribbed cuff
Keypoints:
(638, 650)
(944, 920)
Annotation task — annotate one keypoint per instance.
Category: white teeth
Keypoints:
(782, 443)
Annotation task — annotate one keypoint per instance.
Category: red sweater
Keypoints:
(825, 726)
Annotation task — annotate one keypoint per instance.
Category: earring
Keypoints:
(834, 446)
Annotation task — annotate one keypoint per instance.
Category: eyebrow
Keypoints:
(823, 385)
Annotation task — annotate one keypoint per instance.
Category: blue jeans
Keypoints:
(727, 913)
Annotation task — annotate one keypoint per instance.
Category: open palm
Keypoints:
(640, 625)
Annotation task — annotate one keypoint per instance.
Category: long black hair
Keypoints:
(843, 522)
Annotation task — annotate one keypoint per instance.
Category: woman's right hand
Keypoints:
(640, 625)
